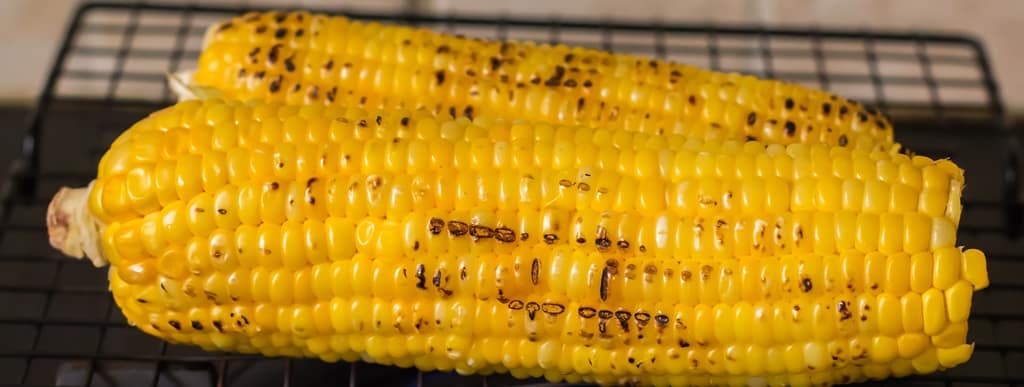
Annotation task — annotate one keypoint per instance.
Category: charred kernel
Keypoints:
(531, 309)
(535, 271)
(587, 83)
(274, 186)
(505, 234)
(643, 249)
(331, 94)
(259, 74)
(550, 238)
(650, 269)
(477, 231)
(219, 326)
(516, 304)
(299, 32)
(405, 121)
(661, 320)
(174, 324)
(789, 103)
(843, 110)
(556, 78)
(439, 77)
(881, 124)
(280, 33)
(692, 99)
(806, 285)
(261, 29)
(684, 344)
(790, 128)
(289, 65)
(451, 112)
(623, 317)
(587, 312)
(275, 85)
(568, 58)
(842, 140)
(579, 103)
(570, 83)
(314, 92)
(329, 65)
(197, 325)
(751, 118)
(622, 244)
(844, 311)
(642, 318)
(565, 183)
(421, 278)
(863, 117)
(379, 120)
(826, 108)
(254, 52)
(457, 228)
(495, 63)
(468, 112)
(606, 275)
(444, 49)
(603, 243)
(552, 308)
(535, 80)
(524, 236)
(470, 72)
(605, 314)
(272, 54)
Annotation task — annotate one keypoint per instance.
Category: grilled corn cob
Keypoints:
(303, 58)
(486, 246)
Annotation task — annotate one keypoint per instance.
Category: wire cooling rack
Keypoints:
(58, 324)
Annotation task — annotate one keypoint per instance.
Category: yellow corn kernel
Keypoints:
(367, 65)
(322, 242)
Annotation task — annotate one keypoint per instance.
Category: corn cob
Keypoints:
(485, 246)
(299, 58)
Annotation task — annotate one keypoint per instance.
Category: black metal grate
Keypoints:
(60, 327)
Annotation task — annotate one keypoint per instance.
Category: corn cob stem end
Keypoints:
(72, 228)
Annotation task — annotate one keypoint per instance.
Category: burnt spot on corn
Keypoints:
(378, 120)
(504, 234)
(331, 94)
(273, 54)
(863, 117)
(404, 121)
(468, 112)
(439, 77)
(314, 92)
(843, 140)
(606, 275)
(751, 118)
(531, 309)
(843, 110)
(289, 64)
(623, 317)
(219, 326)
(299, 32)
(444, 49)
(261, 29)
(275, 85)
(421, 278)
(363, 123)
(174, 324)
(259, 74)
(197, 325)
(789, 104)
(451, 112)
(556, 78)
(826, 108)
(479, 232)
(692, 99)
(570, 83)
(495, 63)
(586, 312)
(790, 128)
(280, 33)
(329, 65)
(550, 238)
(516, 304)
(457, 228)
(843, 310)
(524, 236)
(806, 285)
(622, 244)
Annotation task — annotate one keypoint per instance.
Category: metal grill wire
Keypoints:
(61, 328)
